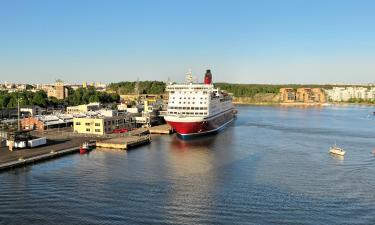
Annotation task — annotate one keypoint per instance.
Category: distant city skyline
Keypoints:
(277, 42)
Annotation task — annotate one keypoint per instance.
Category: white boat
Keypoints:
(336, 150)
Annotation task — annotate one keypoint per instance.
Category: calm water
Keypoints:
(270, 167)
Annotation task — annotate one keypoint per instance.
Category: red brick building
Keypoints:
(32, 123)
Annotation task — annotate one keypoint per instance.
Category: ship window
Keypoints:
(188, 102)
(183, 107)
(201, 103)
(179, 102)
(189, 98)
(97, 130)
(184, 97)
(88, 129)
(201, 108)
(200, 113)
(201, 97)
(180, 97)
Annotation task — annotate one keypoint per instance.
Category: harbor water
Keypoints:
(270, 166)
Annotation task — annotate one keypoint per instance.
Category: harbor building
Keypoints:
(83, 108)
(32, 110)
(103, 123)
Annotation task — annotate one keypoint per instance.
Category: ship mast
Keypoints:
(189, 77)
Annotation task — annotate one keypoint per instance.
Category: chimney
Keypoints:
(208, 77)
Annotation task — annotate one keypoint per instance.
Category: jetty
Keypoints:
(161, 129)
(124, 143)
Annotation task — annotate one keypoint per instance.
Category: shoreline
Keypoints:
(302, 104)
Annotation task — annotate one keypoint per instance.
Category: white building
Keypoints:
(338, 94)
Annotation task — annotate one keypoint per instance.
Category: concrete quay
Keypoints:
(161, 129)
(53, 149)
(124, 143)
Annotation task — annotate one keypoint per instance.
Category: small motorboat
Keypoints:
(337, 151)
(86, 147)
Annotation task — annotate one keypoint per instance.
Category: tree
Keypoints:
(40, 99)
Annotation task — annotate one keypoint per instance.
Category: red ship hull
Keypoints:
(206, 126)
(83, 151)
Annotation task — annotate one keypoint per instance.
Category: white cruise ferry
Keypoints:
(198, 109)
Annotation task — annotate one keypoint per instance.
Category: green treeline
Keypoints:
(9, 100)
(250, 90)
(75, 97)
(238, 90)
(144, 87)
(87, 95)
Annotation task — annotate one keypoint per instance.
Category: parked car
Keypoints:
(117, 131)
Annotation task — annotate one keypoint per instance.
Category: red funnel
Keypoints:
(208, 77)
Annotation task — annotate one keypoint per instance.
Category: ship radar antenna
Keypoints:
(189, 76)
(169, 81)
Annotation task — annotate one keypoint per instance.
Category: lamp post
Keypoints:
(18, 114)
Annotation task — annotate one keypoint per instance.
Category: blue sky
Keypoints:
(266, 41)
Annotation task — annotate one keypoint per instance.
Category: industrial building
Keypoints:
(45, 122)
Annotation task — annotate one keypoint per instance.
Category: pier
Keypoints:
(124, 143)
(161, 129)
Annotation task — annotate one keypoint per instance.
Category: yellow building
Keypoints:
(99, 126)
(82, 108)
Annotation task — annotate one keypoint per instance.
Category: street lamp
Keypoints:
(18, 114)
